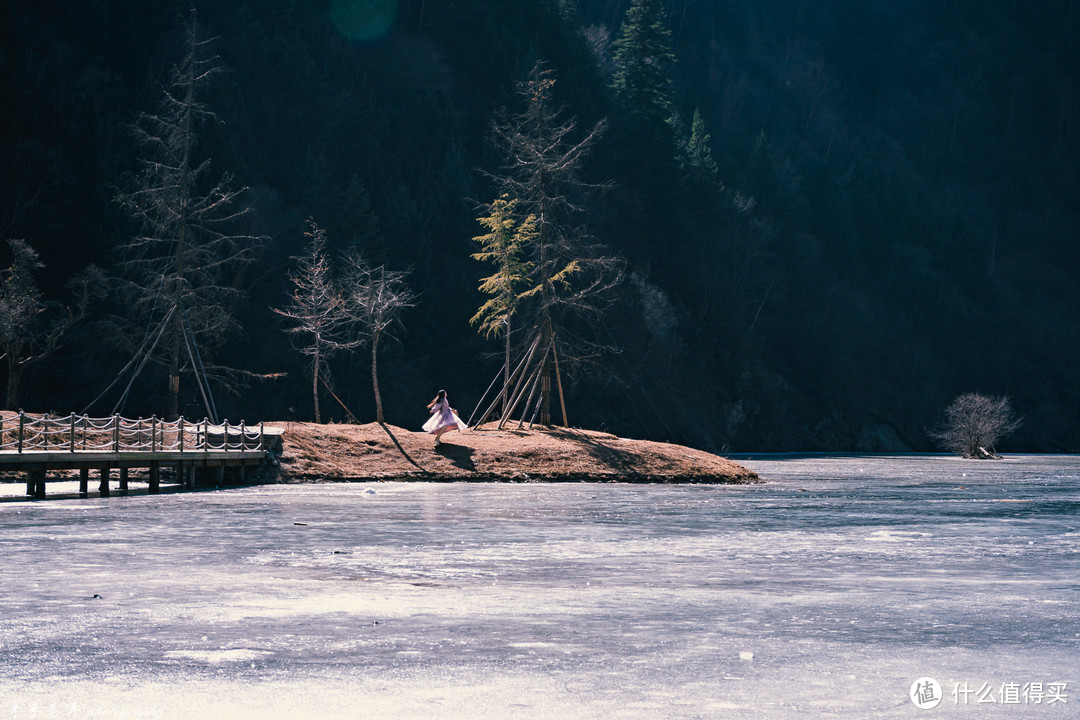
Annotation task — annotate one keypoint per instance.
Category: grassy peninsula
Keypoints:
(332, 453)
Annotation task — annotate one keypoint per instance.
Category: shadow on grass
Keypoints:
(617, 458)
(459, 455)
(401, 449)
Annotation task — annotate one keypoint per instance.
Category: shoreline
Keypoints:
(310, 453)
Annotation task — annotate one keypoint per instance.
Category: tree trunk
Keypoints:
(315, 384)
(14, 381)
(506, 371)
(172, 406)
(545, 334)
(375, 377)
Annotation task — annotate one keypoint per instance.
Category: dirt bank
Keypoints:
(365, 452)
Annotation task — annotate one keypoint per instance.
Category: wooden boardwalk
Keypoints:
(36, 444)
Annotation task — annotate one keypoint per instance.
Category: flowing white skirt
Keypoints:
(442, 417)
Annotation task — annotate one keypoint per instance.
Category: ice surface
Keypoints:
(824, 593)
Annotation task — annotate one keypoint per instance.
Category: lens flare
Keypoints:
(364, 19)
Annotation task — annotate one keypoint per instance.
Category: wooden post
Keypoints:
(39, 483)
(116, 433)
(220, 474)
(22, 424)
(181, 422)
(153, 433)
(558, 381)
(31, 481)
(180, 475)
(516, 394)
(84, 482)
(104, 486)
(72, 432)
(123, 479)
(155, 478)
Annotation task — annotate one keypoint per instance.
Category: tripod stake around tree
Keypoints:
(528, 376)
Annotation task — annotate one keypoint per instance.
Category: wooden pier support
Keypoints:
(84, 482)
(35, 483)
(124, 480)
(155, 479)
(103, 488)
(219, 475)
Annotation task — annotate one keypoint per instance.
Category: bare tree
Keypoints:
(317, 310)
(30, 327)
(179, 270)
(376, 297)
(973, 424)
(570, 270)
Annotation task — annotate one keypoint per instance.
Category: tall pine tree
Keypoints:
(642, 65)
(179, 269)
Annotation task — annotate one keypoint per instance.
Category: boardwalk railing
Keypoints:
(32, 432)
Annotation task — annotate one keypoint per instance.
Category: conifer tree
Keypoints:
(642, 61)
(698, 151)
(569, 270)
(179, 269)
(30, 327)
(503, 246)
(360, 224)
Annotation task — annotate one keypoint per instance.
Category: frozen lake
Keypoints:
(826, 592)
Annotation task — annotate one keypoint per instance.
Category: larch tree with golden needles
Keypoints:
(504, 247)
(569, 271)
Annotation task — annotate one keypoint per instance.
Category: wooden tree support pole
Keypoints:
(538, 377)
(520, 369)
(558, 382)
(519, 388)
(532, 392)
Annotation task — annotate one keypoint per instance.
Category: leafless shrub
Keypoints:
(973, 424)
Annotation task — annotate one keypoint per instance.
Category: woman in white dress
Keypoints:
(443, 418)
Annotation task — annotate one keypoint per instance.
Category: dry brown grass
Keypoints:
(372, 451)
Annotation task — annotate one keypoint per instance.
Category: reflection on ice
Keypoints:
(825, 592)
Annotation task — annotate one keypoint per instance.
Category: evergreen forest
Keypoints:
(771, 225)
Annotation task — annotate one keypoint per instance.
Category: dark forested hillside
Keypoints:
(832, 217)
